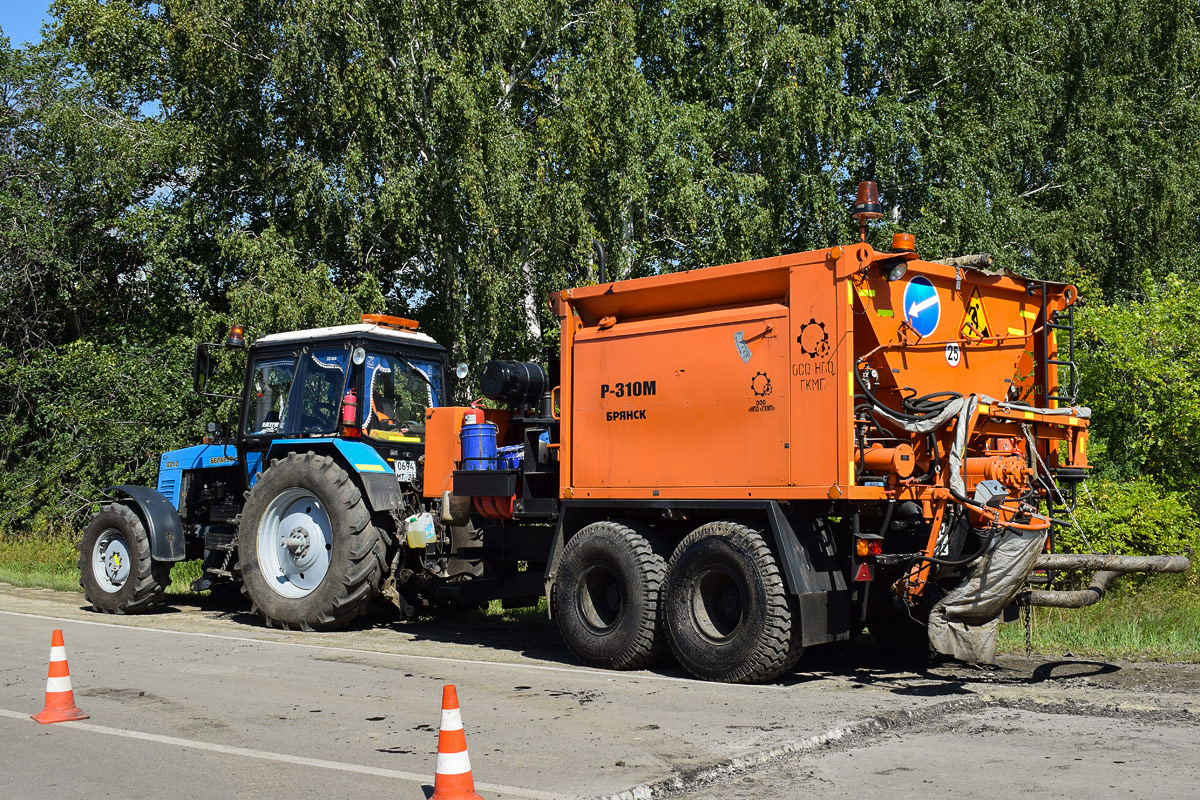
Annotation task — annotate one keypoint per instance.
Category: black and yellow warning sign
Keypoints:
(974, 323)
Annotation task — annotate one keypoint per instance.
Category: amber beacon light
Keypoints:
(866, 207)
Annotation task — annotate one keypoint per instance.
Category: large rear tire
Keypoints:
(310, 559)
(727, 611)
(606, 597)
(116, 571)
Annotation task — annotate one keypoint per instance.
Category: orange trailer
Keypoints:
(741, 461)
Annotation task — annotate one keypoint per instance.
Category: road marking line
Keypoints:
(607, 674)
(284, 758)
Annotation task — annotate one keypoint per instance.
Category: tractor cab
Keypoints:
(367, 383)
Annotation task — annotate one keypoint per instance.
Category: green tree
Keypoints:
(166, 167)
(1140, 371)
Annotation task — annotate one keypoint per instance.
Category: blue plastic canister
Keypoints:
(511, 456)
(479, 445)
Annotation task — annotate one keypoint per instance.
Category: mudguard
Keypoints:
(162, 522)
(377, 476)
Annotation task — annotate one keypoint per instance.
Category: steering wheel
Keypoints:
(319, 421)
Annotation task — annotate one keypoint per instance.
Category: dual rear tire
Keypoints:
(727, 612)
(718, 603)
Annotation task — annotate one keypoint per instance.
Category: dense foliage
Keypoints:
(168, 166)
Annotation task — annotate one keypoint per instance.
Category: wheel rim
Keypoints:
(600, 599)
(295, 538)
(110, 560)
(718, 605)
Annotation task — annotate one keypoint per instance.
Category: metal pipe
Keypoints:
(602, 276)
(1121, 564)
(1110, 568)
(975, 261)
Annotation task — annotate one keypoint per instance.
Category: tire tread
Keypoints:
(366, 558)
(151, 577)
(648, 645)
(777, 648)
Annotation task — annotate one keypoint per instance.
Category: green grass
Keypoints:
(47, 561)
(529, 616)
(1158, 619)
(51, 562)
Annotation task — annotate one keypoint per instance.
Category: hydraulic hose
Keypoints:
(918, 408)
(964, 560)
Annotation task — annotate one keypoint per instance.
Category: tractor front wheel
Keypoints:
(310, 559)
(116, 571)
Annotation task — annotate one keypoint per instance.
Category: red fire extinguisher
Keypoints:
(473, 416)
(350, 408)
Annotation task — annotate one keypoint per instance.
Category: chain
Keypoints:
(1091, 502)
(1028, 612)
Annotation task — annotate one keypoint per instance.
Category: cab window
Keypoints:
(399, 394)
(268, 395)
(319, 390)
(294, 395)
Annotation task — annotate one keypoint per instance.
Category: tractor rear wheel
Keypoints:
(116, 571)
(310, 559)
(727, 610)
(606, 597)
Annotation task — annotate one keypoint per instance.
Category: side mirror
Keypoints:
(202, 368)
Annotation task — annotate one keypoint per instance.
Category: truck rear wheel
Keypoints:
(116, 571)
(728, 616)
(310, 557)
(606, 597)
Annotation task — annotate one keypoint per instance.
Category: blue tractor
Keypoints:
(304, 505)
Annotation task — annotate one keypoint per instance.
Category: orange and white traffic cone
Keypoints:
(60, 699)
(452, 779)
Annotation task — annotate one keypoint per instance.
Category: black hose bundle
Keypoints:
(916, 409)
(929, 405)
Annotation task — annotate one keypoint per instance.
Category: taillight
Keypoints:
(865, 547)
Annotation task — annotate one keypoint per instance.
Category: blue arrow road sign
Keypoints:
(922, 308)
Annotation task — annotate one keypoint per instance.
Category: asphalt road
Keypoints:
(205, 703)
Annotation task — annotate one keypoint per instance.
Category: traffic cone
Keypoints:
(60, 699)
(452, 779)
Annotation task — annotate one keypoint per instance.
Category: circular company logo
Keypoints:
(922, 308)
(760, 384)
(814, 339)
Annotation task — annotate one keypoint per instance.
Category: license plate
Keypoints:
(406, 470)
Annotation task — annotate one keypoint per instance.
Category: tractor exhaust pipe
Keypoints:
(1108, 569)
